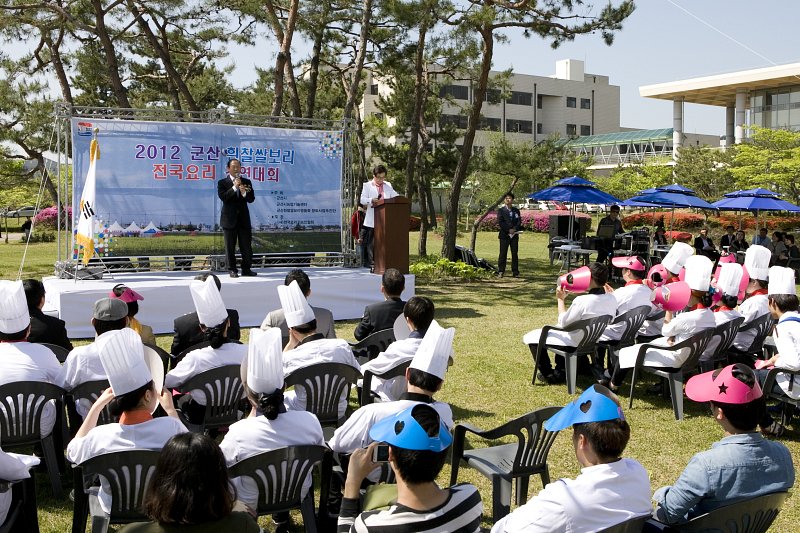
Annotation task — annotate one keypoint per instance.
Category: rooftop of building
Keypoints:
(622, 137)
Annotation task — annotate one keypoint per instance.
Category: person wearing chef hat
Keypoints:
(741, 466)
(783, 306)
(676, 328)
(756, 262)
(610, 489)
(728, 285)
(596, 303)
(213, 318)
(22, 360)
(136, 391)
(310, 347)
(665, 272)
(269, 425)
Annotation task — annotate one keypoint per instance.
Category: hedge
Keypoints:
(535, 221)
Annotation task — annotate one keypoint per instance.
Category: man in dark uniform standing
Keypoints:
(236, 192)
(510, 225)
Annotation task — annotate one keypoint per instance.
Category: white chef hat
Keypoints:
(210, 308)
(434, 350)
(781, 281)
(294, 304)
(756, 261)
(730, 276)
(122, 356)
(265, 360)
(677, 256)
(698, 272)
(14, 315)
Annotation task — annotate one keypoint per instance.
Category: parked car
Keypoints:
(594, 208)
(27, 211)
(528, 204)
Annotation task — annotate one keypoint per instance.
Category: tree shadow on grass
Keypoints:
(462, 413)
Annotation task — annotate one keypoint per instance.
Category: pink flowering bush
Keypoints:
(48, 217)
(536, 221)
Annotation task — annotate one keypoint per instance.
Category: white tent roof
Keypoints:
(151, 228)
(133, 228)
(115, 228)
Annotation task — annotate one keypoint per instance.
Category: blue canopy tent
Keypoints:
(574, 190)
(671, 196)
(754, 200)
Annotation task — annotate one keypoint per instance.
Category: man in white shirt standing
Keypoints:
(372, 194)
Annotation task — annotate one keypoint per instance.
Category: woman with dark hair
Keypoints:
(791, 248)
(132, 299)
(133, 396)
(269, 425)
(190, 491)
(219, 352)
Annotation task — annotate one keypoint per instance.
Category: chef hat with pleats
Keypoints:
(210, 308)
(730, 276)
(434, 350)
(294, 304)
(677, 256)
(14, 315)
(122, 356)
(265, 360)
(698, 272)
(756, 261)
(781, 281)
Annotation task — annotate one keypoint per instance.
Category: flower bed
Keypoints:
(684, 221)
(535, 221)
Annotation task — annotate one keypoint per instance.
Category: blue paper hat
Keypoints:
(591, 406)
(402, 430)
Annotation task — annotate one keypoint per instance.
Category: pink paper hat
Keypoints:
(727, 258)
(723, 385)
(657, 276)
(633, 262)
(576, 281)
(128, 295)
(672, 296)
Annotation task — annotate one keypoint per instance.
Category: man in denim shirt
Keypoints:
(742, 465)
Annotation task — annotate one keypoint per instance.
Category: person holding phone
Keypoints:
(373, 193)
(236, 192)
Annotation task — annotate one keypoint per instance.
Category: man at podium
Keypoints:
(372, 194)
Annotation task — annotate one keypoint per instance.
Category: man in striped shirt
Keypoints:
(417, 450)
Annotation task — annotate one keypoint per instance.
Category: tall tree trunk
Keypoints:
(58, 64)
(120, 92)
(477, 223)
(294, 96)
(422, 245)
(412, 166)
(451, 209)
(431, 206)
(355, 81)
(284, 54)
(313, 73)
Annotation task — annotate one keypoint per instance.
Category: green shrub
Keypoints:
(41, 236)
(439, 268)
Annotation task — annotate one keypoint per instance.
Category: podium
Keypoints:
(390, 243)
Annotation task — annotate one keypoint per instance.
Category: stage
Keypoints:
(345, 291)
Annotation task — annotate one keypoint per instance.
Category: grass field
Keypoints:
(490, 380)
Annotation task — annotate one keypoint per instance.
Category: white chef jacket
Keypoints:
(12, 469)
(752, 308)
(720, 317)
(324, 318)
(600, 497)
(396, 353)
(82, 365)
(310, 353)
(369, 192)
(583, 307)
(787, 342)
(629, 297)
(108, 438)
(203, 359)
(682, 326)
(25, 361)
(256, 434)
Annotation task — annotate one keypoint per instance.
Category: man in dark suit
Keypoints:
(236, 192)
(727, 240)
(187, 327)
(510, 222)
(383, 314)
(703, 245)
(44, 328)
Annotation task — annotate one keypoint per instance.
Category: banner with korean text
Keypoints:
(159, 179)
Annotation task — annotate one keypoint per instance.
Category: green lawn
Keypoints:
(490, 380)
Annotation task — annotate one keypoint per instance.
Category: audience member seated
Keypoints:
(83, 363)
(133, 397)
(672, 263)
(739, 244)
(23, 360)
(269, 426)
(221, 352)
(762, 239)
(132, 299)
(418, 443)
(726, 240)
(633, 294)
(418, 313)
(275, 319)
(791, 248)
(382, 315)
(660, 237)
(310, 347)
(742, 465)
(676, 329)
(756, 261)
(607, 230)
(705, 246)
(187, 327)
(190, 491)
(596, 303)
(610, 489)
(783, 306)
(44, 328)
(780, 253)
(11, 469)
(728, 283)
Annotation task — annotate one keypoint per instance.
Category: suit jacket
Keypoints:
(188, 333)
(726, 240)
(235, 212)
(509, 220)
(48, 329)
(277, 319)
(379, 316)
(698, 244)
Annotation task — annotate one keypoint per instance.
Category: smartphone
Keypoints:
(380, 454)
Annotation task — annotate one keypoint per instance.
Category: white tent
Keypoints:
(115, 228)
(151, 228)
(133, 228)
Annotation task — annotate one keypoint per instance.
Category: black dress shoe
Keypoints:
(233, 274)
(249, 273)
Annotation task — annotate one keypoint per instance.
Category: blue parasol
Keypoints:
(574, 190)
(668, 196)
(754, 200)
